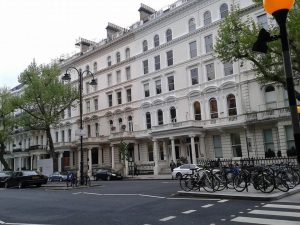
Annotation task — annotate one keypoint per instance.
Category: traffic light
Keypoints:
(298, 109)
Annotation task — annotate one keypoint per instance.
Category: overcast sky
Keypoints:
(45, 29)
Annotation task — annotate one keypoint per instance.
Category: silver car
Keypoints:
(178, 172)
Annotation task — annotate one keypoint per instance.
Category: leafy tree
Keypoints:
(236, 38)
(7, 122)
(44, 100)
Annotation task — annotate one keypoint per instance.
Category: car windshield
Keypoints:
(30, 173)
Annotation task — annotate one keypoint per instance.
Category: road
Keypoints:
(137, 203)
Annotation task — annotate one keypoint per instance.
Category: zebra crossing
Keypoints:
(271, 214)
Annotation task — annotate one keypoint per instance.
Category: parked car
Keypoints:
(4, 175)
(178, 172)
(58, 176)
(25, 178)
(107, 174)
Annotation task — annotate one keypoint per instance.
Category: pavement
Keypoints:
(252, 194)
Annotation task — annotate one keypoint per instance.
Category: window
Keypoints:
(268, 142)
(231, 104)
(169, 35)
(87, 67)
(63, 114)
(213, 108)
(127, 53)
(156, 40)
(56, 138)
(217, 146)
(118, 76)
(130, 124)
(193, 49)
(262, 21)
(210, 71)
(236, 145)
(128, 93)
(109, 61)
(128, 73)
(109, 79)
(97, 129)
(119, 97)
(96, 104)
(170, 58)
(223, 10)
(89, 134)
(69, 112)
(62, 136)
(192, 25)
(146, 90)
(171, 85)
(173, 114)
(118, 57)
(197, 111)
(228, 68)
(160, 117)
(88, 106)
(194, 76)
(120, 123)
(270, 97)
(110, 102)
(148, 120)
(145, 45)
(157, 62)
(208, 43)
(207, 18)
(95, 67)
(158, 87)
(69, 135)
(290, 138)
(145, 66)
(87, 87)
(150, 152)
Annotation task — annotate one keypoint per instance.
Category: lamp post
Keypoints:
(67, 77)
(280, 9)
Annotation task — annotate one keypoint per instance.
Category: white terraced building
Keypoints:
(161, 90)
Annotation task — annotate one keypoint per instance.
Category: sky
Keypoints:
(42, 30)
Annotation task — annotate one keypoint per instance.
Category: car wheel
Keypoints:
(20, 185)
(178, 176)
(108, 178)
(5, 185)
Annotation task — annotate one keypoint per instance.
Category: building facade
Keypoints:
(161, 90)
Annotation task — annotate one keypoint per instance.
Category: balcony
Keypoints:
(122, 135)
(270, 114)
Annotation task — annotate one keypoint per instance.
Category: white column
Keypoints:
(100, 155)
(193, 149)
(112, 156)
(136, 152)
(165, 146)
(173, 149)
(90, 162)
(71, 159)
(60, 155)
(155, 156)
(202, 146)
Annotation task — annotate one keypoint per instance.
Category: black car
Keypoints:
(107, 174)
(22, 179)
(4, 175)
(58, 176)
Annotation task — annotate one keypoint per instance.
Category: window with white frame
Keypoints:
(171, 85)
(89, 132)
(97, 129)
(223, 10)
(156, 40)
(173, 114)
(128, 93)
(194, 76)
(146, 90)
(236, 145)
(193, 49)
(231, 104)
(158, 87)
(110, 100)
(69, 135)
(157, 62)
(96, 104)
(150, 152)
(69, 112)
(145, 66)
(127, 53)
(268, 141)
(118, 76)
(62, 136)
(270, 97)
(207, 18)
(118, 57)
(170, 58)
(197, 111)
(87, 67)
(145, 45)
(109, 61)
(262, 21)
(208, 40)
(160, 117)
(169, 35)
(87, 87)
(88, 106)
(213, 105)
(130, 123)
(290, 141)
(119, 97)
(56, 137)
(109, 79)
(148, 120)
(128, 72)
(228, 68)
(192, 25)
(210, 71)
(217, 146)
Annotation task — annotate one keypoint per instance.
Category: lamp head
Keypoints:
(93, 82)
(66, 77)
(261, 44)
(272, 6)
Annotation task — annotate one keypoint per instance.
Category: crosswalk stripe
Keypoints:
(282, 206)
(275, 213)
(262, 221)
(223, 200)
(167, 218)
(189, 211)
(207, 206)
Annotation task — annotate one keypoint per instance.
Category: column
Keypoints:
(100, 155)
(173, 149)
(90, 162)
(71, 158)
(193, 149)
(136, 152)
(155, 156)
(31, 162)
(202, 146)
(60, 156)
(112, 156)
(165, 146)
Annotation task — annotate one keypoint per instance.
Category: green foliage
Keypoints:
(123, 150)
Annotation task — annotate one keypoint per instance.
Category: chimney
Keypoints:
(145, 12)
(84, 44)
(113, 29)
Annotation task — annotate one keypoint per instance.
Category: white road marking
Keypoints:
(223, 200)
(282, 206)
(241, 212)
(207, 206)
(24, 224)
(195, 199)
(151, 196)
(275, 213)
(1, 222)
(223, 219)
(264, 221)
(167, 218)
(76, 193)
(189, 211)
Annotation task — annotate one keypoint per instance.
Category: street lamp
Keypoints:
(280, 9)
(67, 77)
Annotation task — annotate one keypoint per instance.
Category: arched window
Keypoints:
(87, 67)
(156, 40)
(270, 97)
(127, 53)
(160, 117)
(145, 45)
(130, 124)
(231, 104)
(169, 35)
(213, 105)
(192, 25)
(197, 111)
(148, 120)
(120, 123)
(118, 57)
(95, 67)
(173, 114)
(207, 18)
(223, 10)
(109, 61)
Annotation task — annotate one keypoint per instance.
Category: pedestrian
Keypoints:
(135, 170)
(172, 165)
(178, 163)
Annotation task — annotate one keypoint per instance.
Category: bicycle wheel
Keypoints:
(229, 180)
(265, 182)
(239, 183)
(292, 178)
(221, 177)
(281, 182)
(211, 183)
(186, 183)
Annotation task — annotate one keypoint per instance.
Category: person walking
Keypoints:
(172, 165)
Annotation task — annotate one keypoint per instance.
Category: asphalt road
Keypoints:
(137, 203)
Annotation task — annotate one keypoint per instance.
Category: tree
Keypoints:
(7, 122)
(236, 38)
(44, 100)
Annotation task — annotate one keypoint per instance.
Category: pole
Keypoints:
(81, 128)
(281, 16)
